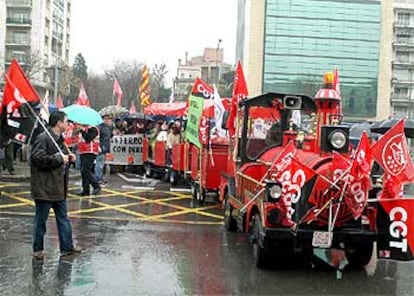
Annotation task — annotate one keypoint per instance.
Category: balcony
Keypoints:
(403, 82)
(19, 3)
(400, 98)
(17, 41)
(18, 21)
(409, 45)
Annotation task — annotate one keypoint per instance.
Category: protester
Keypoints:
(49, 186)
(119, 127)
(105, 135)
(7, 164)
(88, 149)
(152, 136)
(173, 138)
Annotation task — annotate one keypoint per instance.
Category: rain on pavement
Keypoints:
(145, 241)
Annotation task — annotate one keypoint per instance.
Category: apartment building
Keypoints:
(209, 67)
(402, 96)
(37, 34)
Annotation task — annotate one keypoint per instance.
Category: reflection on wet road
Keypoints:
(126, 253)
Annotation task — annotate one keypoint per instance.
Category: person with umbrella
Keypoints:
(88, 149)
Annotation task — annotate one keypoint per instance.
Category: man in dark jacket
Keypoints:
(105, 135)
(49, 185)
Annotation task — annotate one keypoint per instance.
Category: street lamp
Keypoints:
(217, 61)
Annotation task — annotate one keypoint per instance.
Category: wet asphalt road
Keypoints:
(124, 256)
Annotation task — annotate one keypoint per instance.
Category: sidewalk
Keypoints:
(22, 173)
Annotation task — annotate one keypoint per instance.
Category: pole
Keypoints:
(45, 129)
(55, 89)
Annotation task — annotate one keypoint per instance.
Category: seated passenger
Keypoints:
(274, 135)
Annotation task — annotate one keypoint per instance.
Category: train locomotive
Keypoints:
(292, 189)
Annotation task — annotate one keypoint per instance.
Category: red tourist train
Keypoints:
(296, 185)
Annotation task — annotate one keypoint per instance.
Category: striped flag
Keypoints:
(144, 88)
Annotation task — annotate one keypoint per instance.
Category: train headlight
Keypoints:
(274, 191)
(338, 139)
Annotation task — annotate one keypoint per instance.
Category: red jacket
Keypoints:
(89, 141)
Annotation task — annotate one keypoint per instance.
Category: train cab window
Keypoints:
(263, 131)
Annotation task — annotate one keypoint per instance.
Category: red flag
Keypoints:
(391, 153)
(282, 163)
(339, 165)
(118, 91)
(391, 188)
(239, 93)
(17, 90)
(202, 89)
(132, 109)
(361, 164)
(59, 102)
(83, 97)
(395, 230)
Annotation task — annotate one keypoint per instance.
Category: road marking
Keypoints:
(137, 187)
(149, 181)
(158, 206)
(180, 189)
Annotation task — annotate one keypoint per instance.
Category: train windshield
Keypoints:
(264, 130)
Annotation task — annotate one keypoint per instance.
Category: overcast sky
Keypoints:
(151, 31)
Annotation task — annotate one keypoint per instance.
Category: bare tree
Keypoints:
(34, 64)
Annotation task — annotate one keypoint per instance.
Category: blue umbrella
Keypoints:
(82, 115)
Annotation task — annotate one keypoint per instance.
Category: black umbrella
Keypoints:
(383, 126)
(356, 129)
(138, 116)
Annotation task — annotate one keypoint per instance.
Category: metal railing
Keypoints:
(18, 3)
(20, 21)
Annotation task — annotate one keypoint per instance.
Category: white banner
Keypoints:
(125, 150)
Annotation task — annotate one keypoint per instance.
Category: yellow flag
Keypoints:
(144, 88)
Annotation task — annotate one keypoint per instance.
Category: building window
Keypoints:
(403, 18)
(402, 56)
(404, 38)
(401, 92)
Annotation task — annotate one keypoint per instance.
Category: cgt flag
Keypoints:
(395, 224)
(144, 88)
(391, 153)
(17, 90)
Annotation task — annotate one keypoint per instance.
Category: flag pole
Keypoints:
(45, 129)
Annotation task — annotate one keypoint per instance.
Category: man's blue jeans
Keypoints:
(62, 221)
(99, 166)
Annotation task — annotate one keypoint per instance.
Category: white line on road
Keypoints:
(137, 187)
(180, 189)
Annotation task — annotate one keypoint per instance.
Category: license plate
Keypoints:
(322, 239)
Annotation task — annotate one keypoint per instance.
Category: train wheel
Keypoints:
(259, 252)
(173, 177)
(148, 171)
(229, 222)
(359, 254)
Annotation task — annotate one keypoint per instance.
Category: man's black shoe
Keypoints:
(81, 193)
(71, 252)
(96, 190)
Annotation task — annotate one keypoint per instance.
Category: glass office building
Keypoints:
(305, 38)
